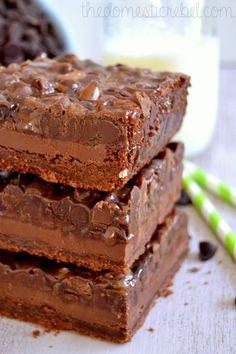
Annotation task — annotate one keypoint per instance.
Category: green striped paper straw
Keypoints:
(210, 214)
(212, 184)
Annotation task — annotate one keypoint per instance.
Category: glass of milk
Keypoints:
(167, 35)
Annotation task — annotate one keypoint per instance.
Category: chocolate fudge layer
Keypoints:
(94, 229)
(95, 303)
(84, 125)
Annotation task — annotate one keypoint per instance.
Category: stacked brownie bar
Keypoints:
(89, 233)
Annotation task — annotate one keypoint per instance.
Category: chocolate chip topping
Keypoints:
(207, 250)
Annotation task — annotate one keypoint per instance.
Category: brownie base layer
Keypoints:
(96, 230)
(101, 304)
(80, 124)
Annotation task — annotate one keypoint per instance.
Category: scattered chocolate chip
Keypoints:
(206, 250)
(150, 329)
(235, 301)
(184, 199)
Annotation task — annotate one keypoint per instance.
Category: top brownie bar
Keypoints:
(81, 124)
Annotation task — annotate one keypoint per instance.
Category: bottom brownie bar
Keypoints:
(95, 303)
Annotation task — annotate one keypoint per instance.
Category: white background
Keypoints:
(86, 31)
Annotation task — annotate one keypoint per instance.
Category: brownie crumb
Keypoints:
(36, 333)
(206, 250)
(194, 270)
(184, 199)
(56, 332)
(186, 304)
(150, 329)
(205, 283)
(165, 292)
(235, 301)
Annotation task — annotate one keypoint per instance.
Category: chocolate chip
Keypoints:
(184, 199)
(26, 32)
(109, 131)
(19, 89)
(91, 92)
(61, 208)
(14, 107)
(206, 250)
(102, 214)
(80, 215)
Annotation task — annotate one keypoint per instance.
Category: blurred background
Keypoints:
(192, 36)
(88, 28)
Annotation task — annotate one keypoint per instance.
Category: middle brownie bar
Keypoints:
(94, 229)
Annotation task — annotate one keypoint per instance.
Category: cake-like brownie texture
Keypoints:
(77, 123)
(101, 303)
(99, 230)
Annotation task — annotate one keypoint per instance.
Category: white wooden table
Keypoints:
(200, 317)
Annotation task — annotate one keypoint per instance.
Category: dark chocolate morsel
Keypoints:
(4, 112)
(184, 199)
(112, 198)
(26, 32)
(91, 92)
(64, 137)
(207, 250)
(110, 235)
